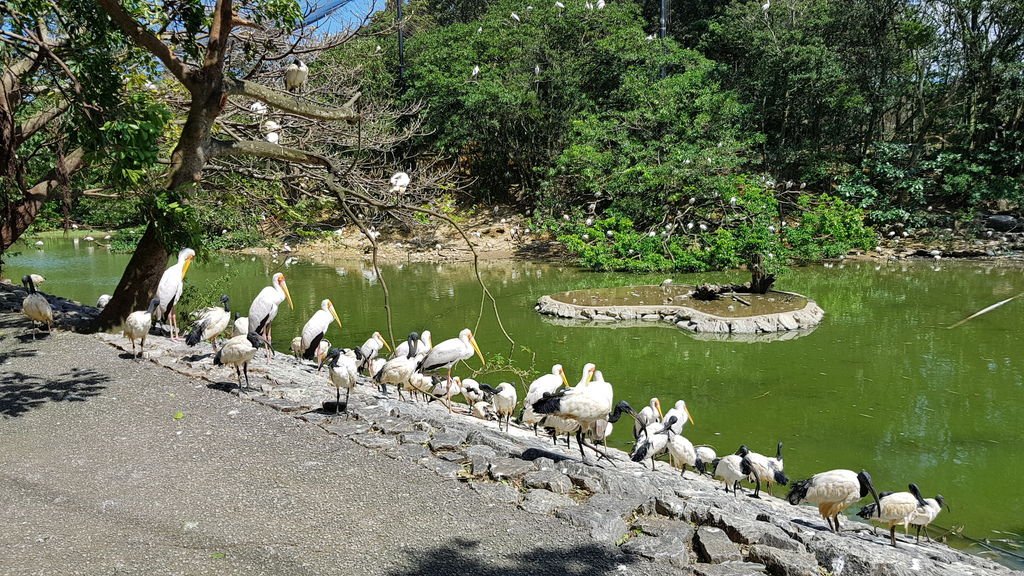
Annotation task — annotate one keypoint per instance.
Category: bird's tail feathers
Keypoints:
(868, 511)
(216, 358)
(195, 336)
(780, 477)
(798, 491)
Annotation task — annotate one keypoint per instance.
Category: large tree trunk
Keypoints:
(139, 280)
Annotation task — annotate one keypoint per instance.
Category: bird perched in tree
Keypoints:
(399, 182)
(210, 323)
(475, 72)
(295, 75)
(258, 108)
(137, 325)
(35, 306)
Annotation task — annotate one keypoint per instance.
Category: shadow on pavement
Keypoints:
(20, 393)
(464, 556)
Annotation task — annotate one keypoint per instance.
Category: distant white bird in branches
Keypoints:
(400, 181)
(766, 5)
(271, 126)
(536, 69)
(588, 5)
(274, 138)
(258, 108)
(600, 4)
(476, 71)
(295, 75)
(516, 17)
(559, 5)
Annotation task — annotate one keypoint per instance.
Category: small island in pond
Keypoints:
(702, 309)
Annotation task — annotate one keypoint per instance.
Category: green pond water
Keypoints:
(881, 384)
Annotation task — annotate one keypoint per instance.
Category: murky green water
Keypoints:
(881, 384)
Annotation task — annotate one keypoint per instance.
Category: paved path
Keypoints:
(98, 477)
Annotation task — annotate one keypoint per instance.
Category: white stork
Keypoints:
(682, 414)
(504, 398)
(768, 469)
(315, 329)
(586, 403)
(210, 323)
(169, 290)
(295, 75)
(399, 182)
(925, 516)
(448, 353)
(894, 509)
(371, 348)
(833, 492)
(238, 352)
(343, 373)
(137, 325)
(650, 414)
(263, 309)
(546, 384)
(35, 306)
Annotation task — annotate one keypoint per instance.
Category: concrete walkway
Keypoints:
(112, 466)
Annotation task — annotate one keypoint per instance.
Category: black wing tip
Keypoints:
(798, 491)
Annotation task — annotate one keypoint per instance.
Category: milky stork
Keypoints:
(35, 306)
(833, 492)
(210, 323)
(547, 383)
(448, 353)
(895, 508)
(137, 325)
(371, 348)
(264, 307)
(650, 414)
(399, 370)
(586, 403)
(168, 291)
(316, 327)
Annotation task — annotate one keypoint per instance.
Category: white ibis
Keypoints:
(833, 492)
(423, 345)
(650, 414)
(210, 323)
(137, 325)
(295, 75)
(240, 326)
(399, 370)
(168, 291)
(35, 306)
(547, 383)
(681, 451)
(371, 348)
(483, 410)
(238, 352)
(448, 353)
(730, 470)
(264, 307)
(705, 455)
(315, 329)
(925, 516)
(399, 182)
(102, 301)
(768, 469)
(894, 509)
(586, 403)
(343, 373)
(504, 398)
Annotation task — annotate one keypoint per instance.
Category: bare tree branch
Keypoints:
(145, 39)
(29, 127)
(291, 104)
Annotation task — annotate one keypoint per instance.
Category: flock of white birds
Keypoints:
(420, 368)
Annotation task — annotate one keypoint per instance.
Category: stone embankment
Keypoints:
(688, 521)
(686, 318)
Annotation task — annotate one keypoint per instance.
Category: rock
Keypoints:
(744, 531)
(375, 441)
(394, 426)
(409, 452)
(673, 507)
(783, 562)
(509, 468)
(415, 437)
(442, 468)
(603, 526)
(496, 493)
(447, 441)
(729, 569)
(713, 546)
(1002, 223)
(548, 480)
(659, 549)
(544, 502)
